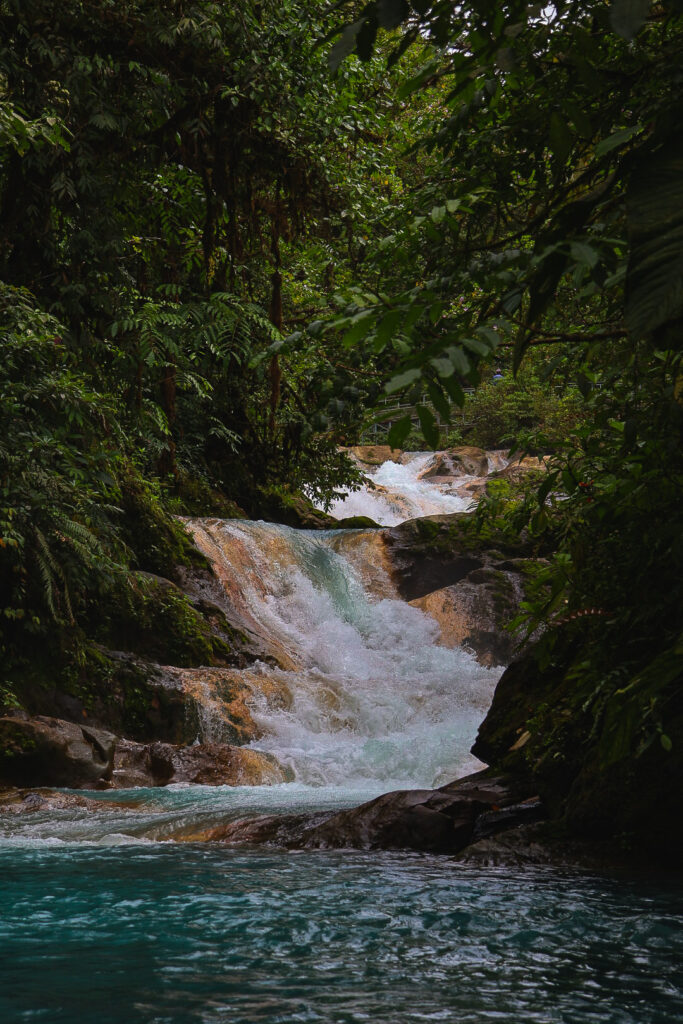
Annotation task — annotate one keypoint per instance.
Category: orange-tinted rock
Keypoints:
(207, 764)
(466, 461)
(374, 454)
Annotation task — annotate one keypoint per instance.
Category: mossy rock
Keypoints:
(357, 523)
(151, 617)
(291, 508)
(543, 726)
(197, 498)
(156, 539)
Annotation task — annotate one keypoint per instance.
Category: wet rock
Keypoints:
(46, 751)
(374, 454)
(519, 468)
(454, 462)
(521, 689)
(441, 820)
(471, 589)
(473, 613)
(23, 801)
(207, 764)
(357, 523)
(422, 558)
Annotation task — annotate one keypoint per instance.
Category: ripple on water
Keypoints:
(158, 934)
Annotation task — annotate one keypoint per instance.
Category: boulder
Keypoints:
(374, 454)
(473, 613)
(518, 469)
(44, 751)
(207, 764)
(441, 820)
(357, 523)
(456, 462)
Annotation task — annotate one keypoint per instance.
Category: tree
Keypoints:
(555, 223)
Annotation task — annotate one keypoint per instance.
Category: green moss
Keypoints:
(279, 504)
(195, 497)
(157, 541)
(357, 523)
(14, 741)
(154, 619)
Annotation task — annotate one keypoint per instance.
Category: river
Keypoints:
(120, 915)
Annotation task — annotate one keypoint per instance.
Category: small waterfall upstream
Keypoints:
(396, 491)
(365, 696)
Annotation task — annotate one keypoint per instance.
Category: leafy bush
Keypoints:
(522, 411)
(59, 462)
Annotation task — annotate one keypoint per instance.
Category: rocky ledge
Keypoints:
(444, 820)
(44, 751)
(471, 587)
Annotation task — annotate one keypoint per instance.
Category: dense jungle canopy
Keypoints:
(230, 234)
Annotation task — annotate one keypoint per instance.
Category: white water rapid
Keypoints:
(395, 491)
(362, 694)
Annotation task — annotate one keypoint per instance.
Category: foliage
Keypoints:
(58, 467)
(522, 412)
(554, 223)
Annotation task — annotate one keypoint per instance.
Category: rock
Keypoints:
(519, 692)
(424, 557)
(518, 469)
(374, 454)
(473, 591)
(357, 523)
(207, 764)
(46, 751)
(457, 462)
(22, 801)
(282, 505)
(473, 613)
(432, 820)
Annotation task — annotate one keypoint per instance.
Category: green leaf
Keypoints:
(402, 380)
(415, 83)
(476, 345)
(460, 360)
(666, 742)
(389, 325)
(390, 13)
(454, 391)
(439, 401)
(399, 431)
(362, 323)
(560, 137)
(345, 45)
(428, 425)
(617, 139)
(444, 367)
(628, 16)
(654, 210)
(583, 254)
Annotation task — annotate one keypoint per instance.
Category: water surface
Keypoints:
(166, 934)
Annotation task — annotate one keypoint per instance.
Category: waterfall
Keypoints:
(395, 491)
(371, 698)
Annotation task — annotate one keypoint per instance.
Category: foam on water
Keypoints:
(374, 695)
(400, 494)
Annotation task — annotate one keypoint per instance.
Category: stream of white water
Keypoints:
(371, 697)
(396, 491)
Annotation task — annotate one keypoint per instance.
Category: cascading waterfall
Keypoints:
(374, 699)
(395, 492)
